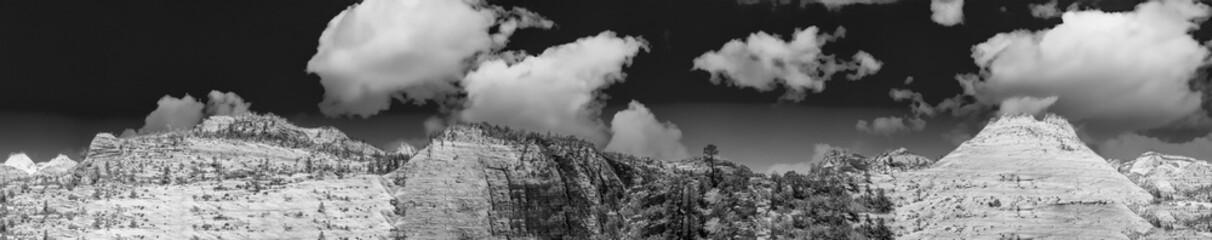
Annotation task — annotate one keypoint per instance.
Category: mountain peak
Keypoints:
(60, 164)
(1027, 175)
(1053, 131)
(21, 162)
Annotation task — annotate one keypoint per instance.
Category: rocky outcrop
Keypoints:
(483, 182)
(1019, 178)
(901, 159)
(1172, 177)
(1182, 187)
(244, 177)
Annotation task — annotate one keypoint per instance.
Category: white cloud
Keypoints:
(887, 126)
(406, 49)
(818, 154)
(830, 4)
(947, 12)
(867, 65)
(1025, 105)
(184, 113)
(220, 103)
(836, 4)
(957, 105)
(764, 62)
(173, 114)
(557, 91)
(1113, 71)
(1131, 145)
(638, 132)
(1046, 10)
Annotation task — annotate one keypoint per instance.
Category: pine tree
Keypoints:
(321, 210)
(711, 151)
(166, 176)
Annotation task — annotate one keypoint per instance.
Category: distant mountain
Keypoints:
(21, 162)
(1182, 190)
(405, 149)
(59, 165)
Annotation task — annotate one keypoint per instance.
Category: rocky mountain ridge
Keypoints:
(260, 177)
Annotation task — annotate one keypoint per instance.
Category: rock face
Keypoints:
(245, 177)
(1171, 176)
(482, 182)
(1020, 178)
(1183, 190)
(901, 160)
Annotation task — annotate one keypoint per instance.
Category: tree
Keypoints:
(321, 210)
(711, 151)
(166, 177)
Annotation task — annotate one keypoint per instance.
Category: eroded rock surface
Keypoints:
(1019, 178)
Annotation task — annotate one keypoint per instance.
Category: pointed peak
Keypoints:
(1052, 129)
(21, 162)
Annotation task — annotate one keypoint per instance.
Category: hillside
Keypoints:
(1182, 190)
(241, 177)
(1019, 178)
(260, 177)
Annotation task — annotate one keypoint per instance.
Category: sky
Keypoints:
(767, 80)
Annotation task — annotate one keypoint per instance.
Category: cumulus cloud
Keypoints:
(1046, 10)
(636, 131)
(1112, 71)
(1025, 105)
(958, 105)
(221, 103)
(831, 4)
(818, 154)
(556, 91)
(887, 126)
(406, 49)
(947, 12)
(186, 112)
(764, 62)
(173, 114)
(1131, 145)
(866, 65)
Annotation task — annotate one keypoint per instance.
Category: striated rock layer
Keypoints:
(1020, 178)
(482, 182)
(243, 177)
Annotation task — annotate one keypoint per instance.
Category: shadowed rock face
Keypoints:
(1020, 177)
(478, 182)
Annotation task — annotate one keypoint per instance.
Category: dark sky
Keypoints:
(70, 69)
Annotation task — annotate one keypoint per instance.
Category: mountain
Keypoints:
(1020, 177)
(1182, 187)
(21, 162)
(901, 159)
(261, 177)
(242, 177)
(405, 149)
(481, 181)
(59, 165)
